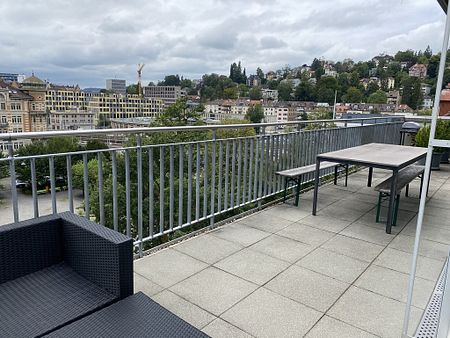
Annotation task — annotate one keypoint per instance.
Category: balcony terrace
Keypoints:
(215, 246)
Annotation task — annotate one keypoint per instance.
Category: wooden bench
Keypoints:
(404, 178)
(296, 174)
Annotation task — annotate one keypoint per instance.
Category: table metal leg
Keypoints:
(369, 179)
(297, 193)
(346, 174)
(393, 194)
(316, 186)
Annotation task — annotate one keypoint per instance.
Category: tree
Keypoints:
(412, 94)
(260, 74)
(179, 113)
(132, 89)
(433, 66)
(304, 91)
(353, 95)
(230, 93)
(428, 52)
(170, 80)
(255, 93)
(325, 89)
(255, 114)
(237, 75)
(378, 97)
(285, 91)
(372, 87)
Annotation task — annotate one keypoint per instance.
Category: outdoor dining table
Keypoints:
(373, 155)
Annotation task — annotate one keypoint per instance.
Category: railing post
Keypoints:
(139, 192)
(12, 171)
(213, 176)
(263, 132)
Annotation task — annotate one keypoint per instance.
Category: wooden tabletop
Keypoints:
(377, 155)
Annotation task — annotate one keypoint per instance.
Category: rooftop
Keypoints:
(281, 272)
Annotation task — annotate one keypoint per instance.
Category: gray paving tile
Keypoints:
(252, 265)
(189, 312)
(307, 287)
(353, 204)
(267, 314)
(427, 248)
(221, 329)
(145, 285)
(306, 234)
(394, 284)
(265, 221)
(282, 248)
(325, 223)
(208, 248)
(213, 290)
(353, 247)
(329, 263)
(167, 267)
(376, 314)
(329, 327)
(240, 233)
(367, 233)
(427, 268)
(288, 212)
(429, 232)
(341, 213)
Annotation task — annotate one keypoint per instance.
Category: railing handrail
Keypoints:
(143, 130)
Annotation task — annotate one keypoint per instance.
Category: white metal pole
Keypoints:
(423, 195)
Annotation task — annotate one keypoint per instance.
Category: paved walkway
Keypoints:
(284, 273)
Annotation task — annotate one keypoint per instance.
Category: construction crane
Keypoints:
(139, 71)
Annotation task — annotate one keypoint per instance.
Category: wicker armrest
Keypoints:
(99, 254)
(29, 246)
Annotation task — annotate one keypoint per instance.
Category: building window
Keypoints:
(17, 119)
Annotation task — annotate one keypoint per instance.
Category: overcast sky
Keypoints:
(87, 41)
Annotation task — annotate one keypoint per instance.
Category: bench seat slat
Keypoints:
(405, 176)
(295, 172)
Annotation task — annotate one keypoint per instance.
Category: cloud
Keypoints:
(88, 41)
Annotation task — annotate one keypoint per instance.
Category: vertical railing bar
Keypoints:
(239, 165)
(250, 172)
(261, 167)
(189, 201)
(101, 200)
(279, 157)
(171, 187)
(161, 189)
(255, 184)
(140, 184)
(180, 184)
(219, 183)
(244, 179)
(114, 190)
(12, 173)
(51, 161)
(87, 210)
(272, 178)
(266, 165)
(127, 192)
(205, 182)
(34, 188)
(69, 181)
(197, 184)
(151, 192)
(232, 185)
(227, 173)
(213, 178)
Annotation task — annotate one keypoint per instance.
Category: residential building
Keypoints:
(269, 94)
(117, 86)
(70, 120)
(253, 81)
(393, 97)
(37, 89)
(418, 70)
(390, 83)
(12, 77)
(169, 94)
(132, 122)
(14, 113)
(425, 88)
(271, 75)
(444, 104)
(286, 113)
(427, 102)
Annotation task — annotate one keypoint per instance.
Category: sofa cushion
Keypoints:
(39, 302)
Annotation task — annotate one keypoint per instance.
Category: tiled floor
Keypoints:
(284, 273)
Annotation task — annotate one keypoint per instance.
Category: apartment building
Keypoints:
(286, 113)
(14, 113)
(418, 70)
(169, 94)
(71, 120)
(117, 86)
(269, 94)
(37, 89)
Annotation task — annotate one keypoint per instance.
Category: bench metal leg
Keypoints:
(393, 193)
(407, 190)
(286, 182)
(316, 186)
(346, 174)
(397, 203)
(421, 184)
(297, 193)
(335, 174)
(380, 197)
(369, 179)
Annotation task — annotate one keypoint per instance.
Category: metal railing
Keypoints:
(149, 190)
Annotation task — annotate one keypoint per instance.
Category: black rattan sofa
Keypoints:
(62, 272)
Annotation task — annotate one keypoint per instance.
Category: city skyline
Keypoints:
(86, 43)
